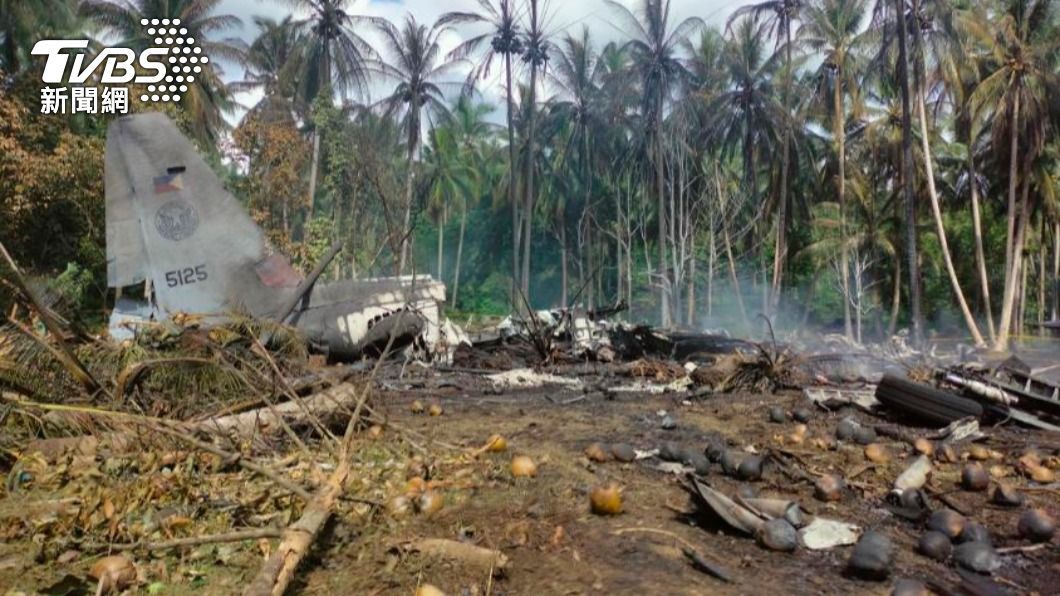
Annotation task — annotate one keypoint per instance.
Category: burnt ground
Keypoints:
(544, 526)
(556, 546)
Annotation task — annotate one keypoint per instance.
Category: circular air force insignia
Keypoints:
(176, 220)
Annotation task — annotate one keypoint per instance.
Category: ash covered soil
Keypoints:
(555, 545)
(543, 524)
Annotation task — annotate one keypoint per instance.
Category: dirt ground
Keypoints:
(544, 526)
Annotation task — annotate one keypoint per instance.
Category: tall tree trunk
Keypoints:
(588, 182)
(712, 255)
(459, 253)
(441, 241)
(929, 173)
(911, 252)
(660, 192)
(1013, 238)
(690, 301)
(528, 177)
(313, 166)
(980, 257)
(896, 298)
(728, 252)
(563, 262)
(1042, 252)
(1055, 281)
(841, 186)
(511, 175)
(407, 207)
(781, 250)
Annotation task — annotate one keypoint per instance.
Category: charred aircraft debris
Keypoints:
(172, 226)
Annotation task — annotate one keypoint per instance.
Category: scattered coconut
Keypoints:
(910, 587)
(114, 573)
(1006, 495)
(777, 415)
(671, 451)
(435, 410)
(844, 431)
(430, 502)
(496, 444)
(924, 447)
(699, 463)
(778, 534)
(829, 488)
(977, 556)
(1036, 525)
(935, 545)
(1040, 473)
(606, 500)
(715, 449)
(975, 532)
(429, 590)
(730, 461)
(798, 434)
(947, 454)
(623, 452)
(802, 415)
(822, 443)
(865, 435)
(1030, 458)
(872, 556)
(597, 453)
(998, 472)
(948, 522)
(750, 468)
(877, 454)
(974, 478)
(978, 452)
(375, 431)
(417, 407)
(523, 467)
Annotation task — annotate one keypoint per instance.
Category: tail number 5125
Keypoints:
(186, 276)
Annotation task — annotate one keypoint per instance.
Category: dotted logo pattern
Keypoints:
(185, 59)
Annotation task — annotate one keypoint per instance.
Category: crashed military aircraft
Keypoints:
(171, 223)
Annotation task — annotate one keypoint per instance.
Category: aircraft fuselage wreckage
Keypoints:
(170, 221)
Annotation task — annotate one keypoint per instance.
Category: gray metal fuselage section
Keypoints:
(170, 221)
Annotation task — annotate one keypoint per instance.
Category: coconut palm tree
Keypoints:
(413, 59)
(333, 58)
(272, 62)
(832, 28)
(748, 115)
(504, 35)
(653, 48)
(208, 99)
(577, 74)
(1020, 49)
(779, 17)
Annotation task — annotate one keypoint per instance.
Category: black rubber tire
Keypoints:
(924, 402)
